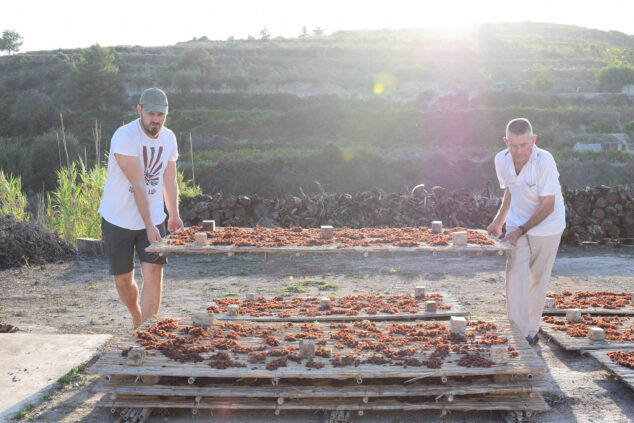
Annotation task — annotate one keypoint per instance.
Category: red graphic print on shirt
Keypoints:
(153, 166)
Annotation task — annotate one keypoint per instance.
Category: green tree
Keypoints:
(629, 127)
(602, 127)
(542, 83)
(304, 33)
(318, 32)
(11, 41)
(616, 75)
(46, 156)
(265, 35)
(95, 75)
(184, 81)
(197, 58)
(33, 113)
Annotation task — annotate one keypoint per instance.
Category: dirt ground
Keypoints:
(79, 296)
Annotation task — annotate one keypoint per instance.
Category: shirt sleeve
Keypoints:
(499, 171)
(548, 178)
(123, 144)
(174, 155)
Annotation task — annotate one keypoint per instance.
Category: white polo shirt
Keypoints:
(538, 178)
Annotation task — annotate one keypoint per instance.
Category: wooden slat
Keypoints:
(502, 402)
(570, 343)
(527, 363)
(455, 310)
(624, 373)
(591, 311)
(126, 386)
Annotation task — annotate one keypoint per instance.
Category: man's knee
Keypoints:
(124, 281)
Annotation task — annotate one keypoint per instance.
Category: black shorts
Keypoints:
(121, 243)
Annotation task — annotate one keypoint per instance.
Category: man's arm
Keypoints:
(546, 207)
(132, 170)
(170, 193)
(495, 228)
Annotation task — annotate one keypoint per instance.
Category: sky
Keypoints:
(49, 25)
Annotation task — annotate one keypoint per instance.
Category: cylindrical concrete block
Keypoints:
(136, 356)
(457, 325)
(499, 354)
(200, 239)
(573, 315)
(596, 334)
(419, 292)
(431, 306)
(459, 238)
(550, 302)
(324, 303)
(327, 232)
(209, 225)
(250, 296)
(436, 226)
(232, 309)
(306, 349)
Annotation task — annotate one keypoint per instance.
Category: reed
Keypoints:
(12, 200)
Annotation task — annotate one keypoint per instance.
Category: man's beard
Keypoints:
(152, 129)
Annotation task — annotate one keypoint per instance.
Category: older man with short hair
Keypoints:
(534, 213)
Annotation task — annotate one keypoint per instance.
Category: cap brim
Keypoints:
(147, 108)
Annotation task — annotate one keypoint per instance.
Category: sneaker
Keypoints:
(532, 340)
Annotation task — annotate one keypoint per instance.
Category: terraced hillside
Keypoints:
(351, 110)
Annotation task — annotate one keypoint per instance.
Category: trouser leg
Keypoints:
(517, 283)
(543, 253)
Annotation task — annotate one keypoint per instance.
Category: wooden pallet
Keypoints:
(624, 373)
(570, 343)
(324, 389)
(163, 248)
(528, 363)
(500, 402)
(591, 311)
(455, 310)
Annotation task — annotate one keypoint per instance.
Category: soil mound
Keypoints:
(28, 243)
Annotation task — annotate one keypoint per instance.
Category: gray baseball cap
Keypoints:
(153, 100)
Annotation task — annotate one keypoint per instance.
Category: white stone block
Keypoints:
(573, 315)
(596, 334)
(203, 318)
(324, 303)
(431, 306)
(327, 232)
(419, 292)
(232, 309)
(550, 302)
(436, 226)
(499, 354)
(250, 296)
(200, 239)
(458, 325)
(209, 225)
(459, 238)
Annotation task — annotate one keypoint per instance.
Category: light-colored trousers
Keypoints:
(528, 268)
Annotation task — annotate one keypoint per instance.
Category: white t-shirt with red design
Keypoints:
(117, 204)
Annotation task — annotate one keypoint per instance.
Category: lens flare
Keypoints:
(384, 83)
(347, 154)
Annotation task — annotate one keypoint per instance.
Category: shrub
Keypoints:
(629, 127)
(616, 75)
(602, 127)
(542, 83)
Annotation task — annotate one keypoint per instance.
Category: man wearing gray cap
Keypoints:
(141, 171)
